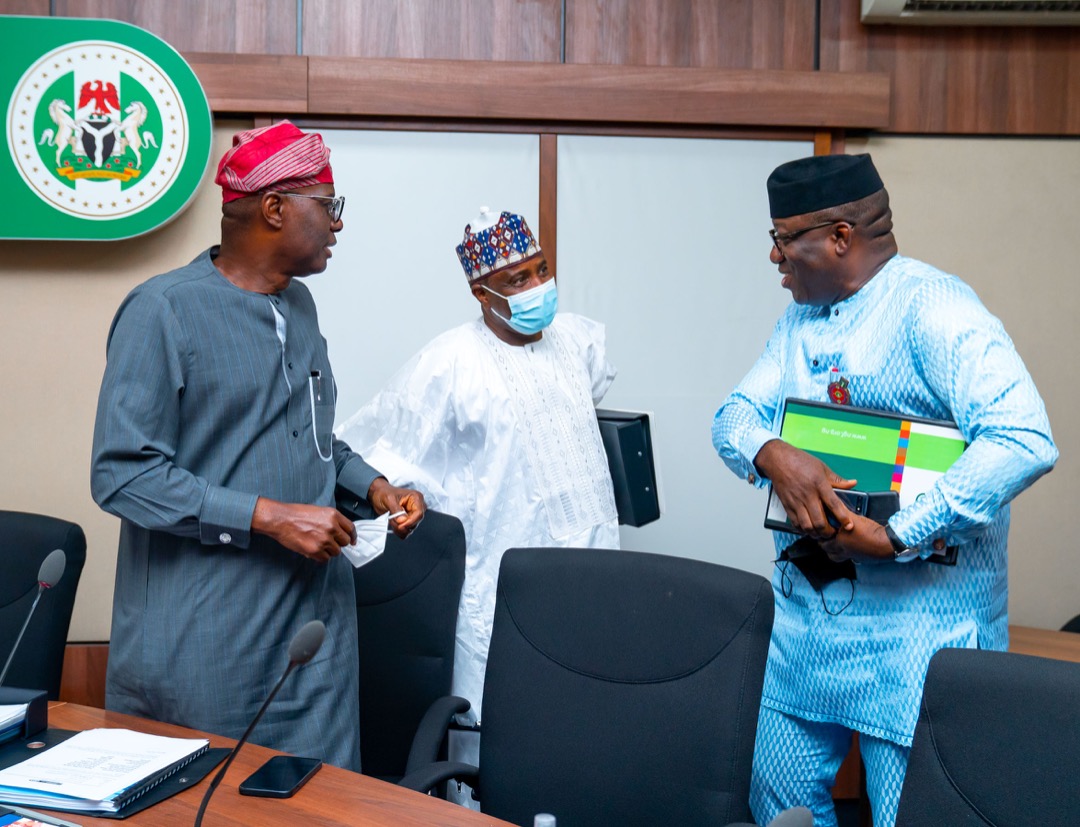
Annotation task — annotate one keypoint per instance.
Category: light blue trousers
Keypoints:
(796, 761)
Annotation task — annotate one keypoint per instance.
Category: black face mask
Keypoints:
(814, 564)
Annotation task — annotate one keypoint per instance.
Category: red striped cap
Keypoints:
(273, 158)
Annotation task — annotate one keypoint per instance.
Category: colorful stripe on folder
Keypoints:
(901, 456)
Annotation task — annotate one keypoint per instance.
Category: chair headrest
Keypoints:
(586, 607)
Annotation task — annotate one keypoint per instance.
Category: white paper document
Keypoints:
(99, 769)
(12, 719)
(12, 714)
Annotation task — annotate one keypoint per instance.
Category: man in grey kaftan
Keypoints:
(213, 444)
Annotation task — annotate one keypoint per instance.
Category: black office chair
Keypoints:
(622, 688)
(996, 742)
(25, 541)
(1072, 626)
(406, 612)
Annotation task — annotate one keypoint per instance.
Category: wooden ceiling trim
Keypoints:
(394, 88)
(578, 92)
(252, 84)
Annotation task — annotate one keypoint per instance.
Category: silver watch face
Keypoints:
(906, 555)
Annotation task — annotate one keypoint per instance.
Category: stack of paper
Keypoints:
(99, 770)
(11, 720)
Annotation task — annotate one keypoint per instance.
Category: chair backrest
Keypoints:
(406, 612)
(622, 688)
(996, 742)
(25, 541)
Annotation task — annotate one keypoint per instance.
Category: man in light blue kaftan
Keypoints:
(874, 329)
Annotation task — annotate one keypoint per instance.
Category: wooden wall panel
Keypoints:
(246, 26)
(970, 80)
(946, 80)
(518, 30)
(547, 229)
(39, 8)
(722, 34)
(250, 84)
(83, 678)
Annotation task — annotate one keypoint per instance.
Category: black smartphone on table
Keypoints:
(280, 777)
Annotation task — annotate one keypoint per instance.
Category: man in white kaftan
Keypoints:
(494, 421)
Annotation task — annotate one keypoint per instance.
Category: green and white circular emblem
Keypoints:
(97, 130)
(108, 129)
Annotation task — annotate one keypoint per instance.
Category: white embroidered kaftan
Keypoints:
(505, 439)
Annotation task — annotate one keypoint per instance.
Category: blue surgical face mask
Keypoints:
(532, 310)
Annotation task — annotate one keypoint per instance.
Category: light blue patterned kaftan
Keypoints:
(917, 341)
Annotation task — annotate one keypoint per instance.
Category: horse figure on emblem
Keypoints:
(129, 132)
(68, 133)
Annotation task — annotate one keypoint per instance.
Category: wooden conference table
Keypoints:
(334, 797)
(1045, 643)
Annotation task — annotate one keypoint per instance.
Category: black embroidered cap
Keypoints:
(822, 181)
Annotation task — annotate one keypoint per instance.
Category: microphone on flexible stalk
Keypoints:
(52, 569)
(302, 648)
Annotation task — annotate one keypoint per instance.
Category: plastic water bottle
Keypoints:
(543, 820)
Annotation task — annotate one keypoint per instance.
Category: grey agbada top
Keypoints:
(207, 404)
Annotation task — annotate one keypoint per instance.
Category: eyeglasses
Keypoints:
(334, 205)
(780, 239)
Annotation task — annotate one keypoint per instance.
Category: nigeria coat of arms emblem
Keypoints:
(100, 131)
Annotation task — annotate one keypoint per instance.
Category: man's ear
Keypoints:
(480, 293)
(270, 206)
(845, 235)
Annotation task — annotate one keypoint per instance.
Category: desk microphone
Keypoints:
(302, 648)
(795, 817)
(52, 569)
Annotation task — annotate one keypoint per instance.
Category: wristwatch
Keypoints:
(901, 552)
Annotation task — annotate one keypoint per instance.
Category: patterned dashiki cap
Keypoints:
(493, 242)
(822, 181)
(273, 158)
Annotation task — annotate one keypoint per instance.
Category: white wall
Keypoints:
(999, 213)
(394, 281)
(663, 240)
(57, 300)
(666, 242)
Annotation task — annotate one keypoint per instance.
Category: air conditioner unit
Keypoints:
(972, 12)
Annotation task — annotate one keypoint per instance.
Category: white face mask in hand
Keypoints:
(370, 539)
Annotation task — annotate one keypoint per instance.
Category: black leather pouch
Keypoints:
(810, 559)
